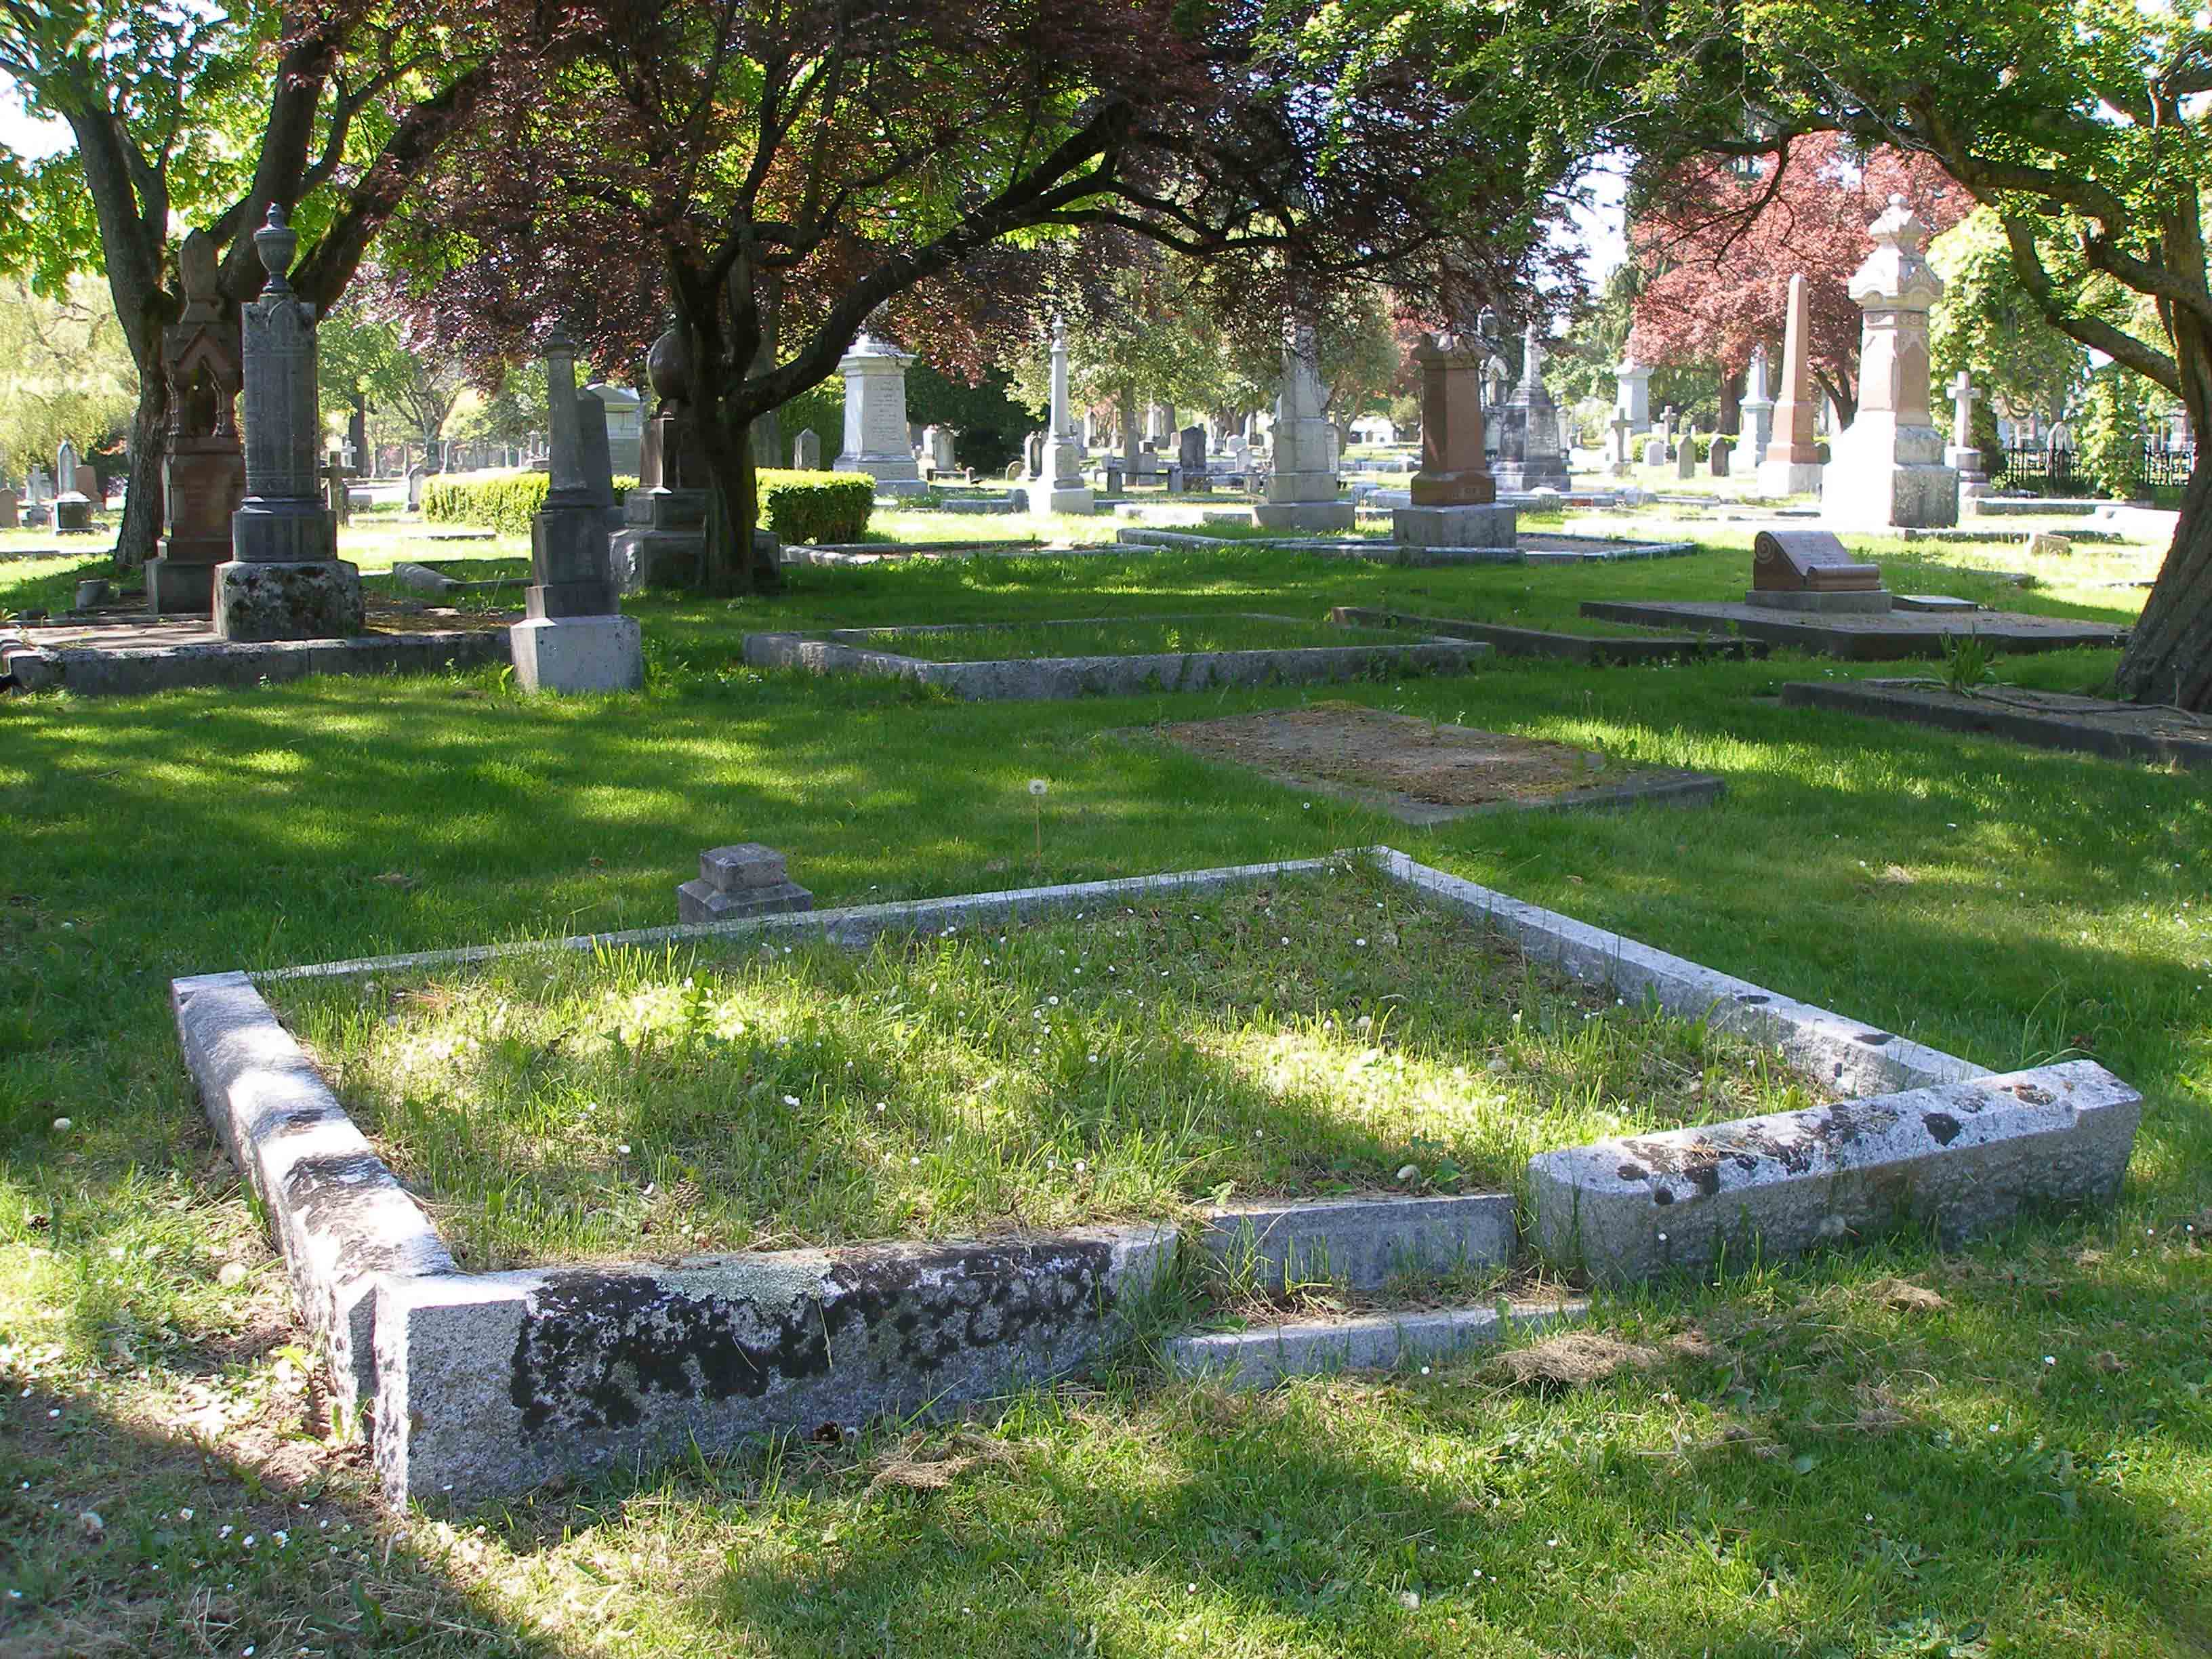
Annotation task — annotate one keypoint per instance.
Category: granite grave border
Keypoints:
(1591, 649)
(486, 1383)
(1917, 704)
(846, 651)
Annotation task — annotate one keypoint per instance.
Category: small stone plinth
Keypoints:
(747, 880)
(73, 513)
(1362, 1243)
(1303, 515)
(663, 538)
(175, 588)
(319, 600)
(578, 654)
(1862, 603)
(1491, 528)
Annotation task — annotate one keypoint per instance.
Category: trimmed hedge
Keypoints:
(797, 506)
(816, 506)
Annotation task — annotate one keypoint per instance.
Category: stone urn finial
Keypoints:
(276, 242)
(668, 367)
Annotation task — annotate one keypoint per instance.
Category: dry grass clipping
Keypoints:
(1902, 1296)
(922, 1463)
(1573, 1359)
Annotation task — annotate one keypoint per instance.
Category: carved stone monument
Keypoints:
(574, 637)
(664, 535)
(1061, 472)
(1963, 455)
(876, 440)
(1454, 498)
(1758, 408)
(1528, 455)
(1887, 465)
(284, 579)
(806, 451)
(1792, 466)
(1301, 488)
(1190, 451)
(1686, 451)
(1810, 570)
(10, 518)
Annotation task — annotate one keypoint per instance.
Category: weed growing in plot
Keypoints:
(1316, 1035)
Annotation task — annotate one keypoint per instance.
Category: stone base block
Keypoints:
(578, 654)
(73, 514)
(639, 559)
(1781, 477)
(1859, 604)
(177, 589)
(1917, 496)
(1544, 474)
(1261, 1356)
(318, 601)
(699, 900)
(1303, 515)
(1073, 498)
(1490, 527)
(1961, 1157)
(900, 487)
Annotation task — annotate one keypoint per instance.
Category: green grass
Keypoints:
(1318, 1036)
(1137, 636)
(1838, 1477)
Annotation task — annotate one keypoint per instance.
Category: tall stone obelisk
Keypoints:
(1886, 467)
(1301, 490)
(1792, 466)
(285, 579)
(1063, 489)
(575, 637)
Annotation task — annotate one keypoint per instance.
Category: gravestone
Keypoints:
(1811, 570)
(876, 437)
(1686, 453)
(1792, 466)
(284, 579)
(1302, 492)
(10, 518)
(1621, 429)
(595, 452)
(1758, 408)
(1132, 466)
(1964, 455)
(416, 475)
(664, 533)
(1061, 472)
(937, 448)
(806, 451)
(1190, 450)
(87, 485)
(1632, 394)
(574, 636)
(1716, 464)
(1454, 496)
(1654, 451)
(625, 416)
(73, 507)
(1528, 455)
(1887, 465)
(1033, 456)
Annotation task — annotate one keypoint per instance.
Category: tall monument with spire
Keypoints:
(1886, 467)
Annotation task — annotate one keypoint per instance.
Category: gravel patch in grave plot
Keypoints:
(2044, 720)
(889, 653)
(1423, 773)
(1127, 1065)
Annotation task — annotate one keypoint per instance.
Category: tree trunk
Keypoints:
(732, 563)
(142, 509)
(2168, 659)
(1731, 421)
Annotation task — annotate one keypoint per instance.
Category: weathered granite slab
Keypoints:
(1362, 1242)
(1874, 638)
(1264, 1355)
(1963, 1156)
(1590, 648)
(2051, 719)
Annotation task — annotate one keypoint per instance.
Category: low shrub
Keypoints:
(816, 506)
(797, 506)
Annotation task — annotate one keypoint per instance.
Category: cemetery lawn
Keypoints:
(1899, 1449)
(1136, 636)
(1318, 1036)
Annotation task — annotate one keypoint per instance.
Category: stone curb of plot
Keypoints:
(485, 1384)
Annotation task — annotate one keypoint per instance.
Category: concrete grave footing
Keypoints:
(92, 670)
(483, 1385)
(1264, 1355)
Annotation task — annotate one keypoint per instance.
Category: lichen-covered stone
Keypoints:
(318, 600)
(490, 1383)
(1962, 1156)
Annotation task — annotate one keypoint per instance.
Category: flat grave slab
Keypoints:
(131, 654)
(2044, 720)
(1531, 547)
(1423, 774)
(486, 1378)
(873, 651)
(1542, 642)
(1872, 637)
